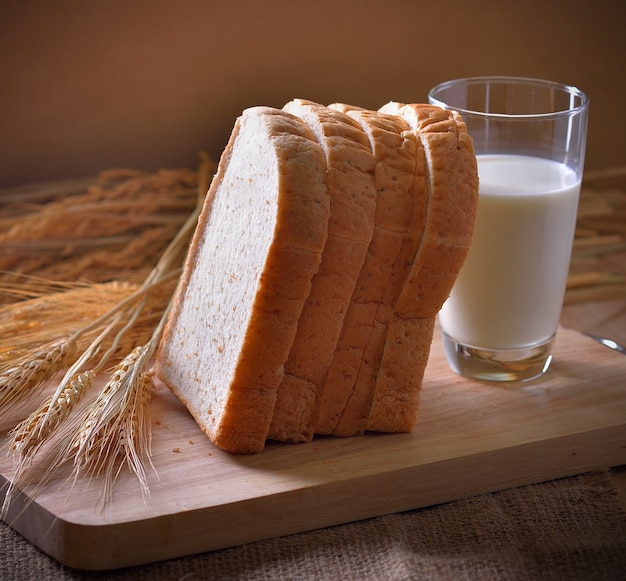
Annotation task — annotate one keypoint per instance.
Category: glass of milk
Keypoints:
(501, 318)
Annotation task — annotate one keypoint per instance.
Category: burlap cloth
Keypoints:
(568, 529)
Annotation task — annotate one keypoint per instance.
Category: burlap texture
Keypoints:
(568, 529)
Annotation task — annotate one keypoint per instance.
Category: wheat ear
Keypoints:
(114, 430)
(19, 378)
(30, 434)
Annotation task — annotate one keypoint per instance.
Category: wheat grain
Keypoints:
(115, 430)
(106, 411)
(20, 378)
(33, 432)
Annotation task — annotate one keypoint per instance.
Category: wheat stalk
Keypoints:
(20, 377)
(115, 430)
(119, 222)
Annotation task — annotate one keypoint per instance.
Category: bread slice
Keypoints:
(452, 203)
(399, 222)
(352, 189)
(257, 245)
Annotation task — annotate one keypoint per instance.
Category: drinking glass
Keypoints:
(501, 318)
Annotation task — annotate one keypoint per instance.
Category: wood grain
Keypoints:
(472, 438)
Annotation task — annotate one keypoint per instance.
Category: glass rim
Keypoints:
(573, 91)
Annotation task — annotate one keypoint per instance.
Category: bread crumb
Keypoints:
(177, 450)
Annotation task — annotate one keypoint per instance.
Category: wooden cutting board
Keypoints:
(472, 438)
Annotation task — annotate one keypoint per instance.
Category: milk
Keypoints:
(510, 290)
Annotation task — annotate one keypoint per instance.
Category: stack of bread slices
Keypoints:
(329, 240)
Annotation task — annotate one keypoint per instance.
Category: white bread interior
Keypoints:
(257, 245)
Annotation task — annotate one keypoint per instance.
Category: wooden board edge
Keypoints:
(140, 542)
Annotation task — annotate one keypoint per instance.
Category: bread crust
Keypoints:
(352, 189)
(452, 204)
(238, 418)
(400, 212)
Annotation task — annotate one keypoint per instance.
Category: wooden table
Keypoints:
(603, 319)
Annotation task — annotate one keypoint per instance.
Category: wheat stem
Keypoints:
(127, 302)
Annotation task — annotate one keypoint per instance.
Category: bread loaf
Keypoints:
(257, 245)
(329, 240)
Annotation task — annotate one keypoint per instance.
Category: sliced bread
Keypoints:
(257, 245)
(452, 181)
(351, 185)
(399, 220)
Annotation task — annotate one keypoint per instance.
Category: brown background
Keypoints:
(90, 85)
